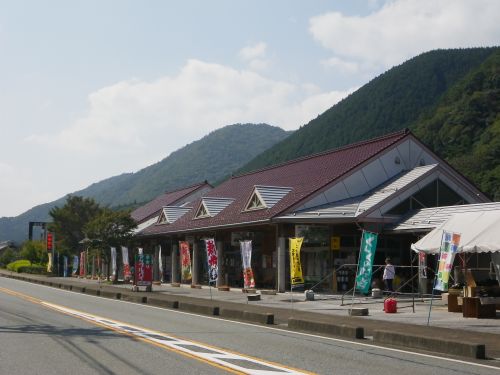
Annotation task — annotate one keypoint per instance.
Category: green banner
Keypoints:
(366, 255)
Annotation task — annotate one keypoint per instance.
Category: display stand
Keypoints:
(453, 305)
(473, 308)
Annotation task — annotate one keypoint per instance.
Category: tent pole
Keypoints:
(435, 278)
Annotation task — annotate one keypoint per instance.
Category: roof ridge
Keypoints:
(188, 187)
(405, 131)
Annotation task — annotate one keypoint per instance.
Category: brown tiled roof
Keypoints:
(168, 198)
(305, 176)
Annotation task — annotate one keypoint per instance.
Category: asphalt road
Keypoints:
(51, 331)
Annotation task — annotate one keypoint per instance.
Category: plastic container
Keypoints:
(376, 293)
(390, 306)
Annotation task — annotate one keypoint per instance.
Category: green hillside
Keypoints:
(465, 126)
(211, 158)
(390, 102)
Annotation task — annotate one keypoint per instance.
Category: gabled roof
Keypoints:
(363, 204)
(169, 198)
(304, 176)
(427, 219)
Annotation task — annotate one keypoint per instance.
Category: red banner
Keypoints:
(185, 261)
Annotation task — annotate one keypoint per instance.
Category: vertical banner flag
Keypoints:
(65, 266)
(246, 257)
(113, 262)
(160, 264)
(49, 263)
(82, 264)
(143, 269)
(422, 265)
(93, 266)
(447, 251)
(297, 280)
(126, 266)
(185, 261)
(366, 255)
(75, 265)
(212, 260)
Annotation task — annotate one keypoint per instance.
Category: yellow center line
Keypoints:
(218, 357)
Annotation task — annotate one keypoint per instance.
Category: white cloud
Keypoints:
(253, 52)
(255, 56)
(343, 66)
(404, 28)
(133, 123)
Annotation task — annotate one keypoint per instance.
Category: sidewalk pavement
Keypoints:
(327, 309)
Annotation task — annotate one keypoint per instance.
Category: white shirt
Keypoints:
(389, 272)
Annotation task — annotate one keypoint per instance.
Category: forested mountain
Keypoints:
(465, 126)
(392, 101)
(211, 158)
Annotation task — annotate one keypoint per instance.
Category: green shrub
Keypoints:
(24, 266)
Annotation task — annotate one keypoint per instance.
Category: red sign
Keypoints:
(50, 244)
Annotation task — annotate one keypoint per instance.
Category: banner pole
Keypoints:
(435, 278)
(357, 269)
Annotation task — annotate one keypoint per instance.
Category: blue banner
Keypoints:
(365, 265)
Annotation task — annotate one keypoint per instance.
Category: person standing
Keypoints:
(389, 273)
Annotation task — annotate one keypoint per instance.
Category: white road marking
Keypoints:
(210, 354)
(293, 332)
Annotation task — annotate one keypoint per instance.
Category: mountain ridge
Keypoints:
(213, 157)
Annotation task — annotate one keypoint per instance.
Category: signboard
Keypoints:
(297, 280)
(447, 251)
(143, 270)
(335, 243)
(366, 255)
(50, 241)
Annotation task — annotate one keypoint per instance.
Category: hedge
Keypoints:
(24, 266)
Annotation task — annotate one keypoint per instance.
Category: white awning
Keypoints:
(480, 232)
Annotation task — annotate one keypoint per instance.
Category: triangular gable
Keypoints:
(202, 211)
(170, 214)
(377, 202)
(266, 197)
(211, 206)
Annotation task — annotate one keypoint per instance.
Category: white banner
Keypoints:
(113, 262)
(75, 265)
(211, 260)
(246, 258)
(160, 263)
(126, 266)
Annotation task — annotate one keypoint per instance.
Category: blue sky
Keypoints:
(91, 89)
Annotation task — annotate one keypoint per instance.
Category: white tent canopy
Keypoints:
(480, 232)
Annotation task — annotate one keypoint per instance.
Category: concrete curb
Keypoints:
(248, 316)
(163, 303)
(327, 328)
(111, 295)
(405, 340)
(198, 309)
(463, 349)
(134, 298)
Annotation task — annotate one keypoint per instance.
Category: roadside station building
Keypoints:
(327, 198)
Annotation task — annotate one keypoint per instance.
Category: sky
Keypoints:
(90, 89)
